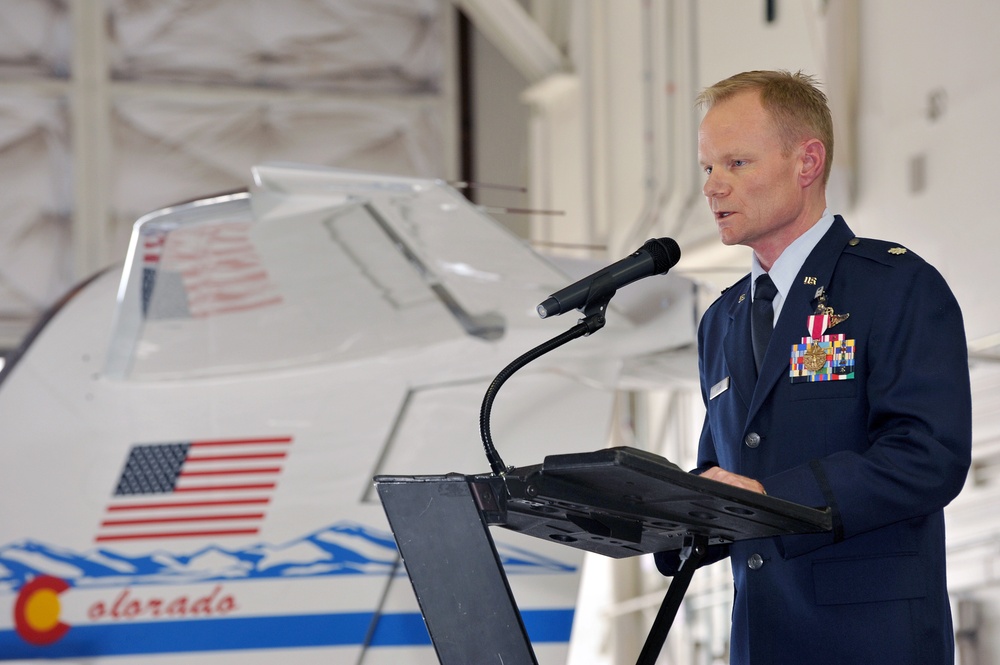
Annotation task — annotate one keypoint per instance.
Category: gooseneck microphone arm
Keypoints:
(591, 296)
(590, 324)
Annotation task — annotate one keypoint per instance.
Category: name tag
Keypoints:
(719, 388)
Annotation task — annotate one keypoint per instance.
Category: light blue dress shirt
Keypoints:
(788, 265)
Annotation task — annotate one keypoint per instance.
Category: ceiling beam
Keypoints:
(516, 35)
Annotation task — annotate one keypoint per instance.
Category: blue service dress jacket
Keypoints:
(886, 447)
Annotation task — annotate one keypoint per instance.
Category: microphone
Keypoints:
(655, 257)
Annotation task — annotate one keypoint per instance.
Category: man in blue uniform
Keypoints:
(834, 374)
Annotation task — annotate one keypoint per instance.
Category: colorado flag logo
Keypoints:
(36, 611)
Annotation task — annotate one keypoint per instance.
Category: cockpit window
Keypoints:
(211, 290)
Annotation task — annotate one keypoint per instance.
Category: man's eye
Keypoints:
(708, 170)
(739, 162)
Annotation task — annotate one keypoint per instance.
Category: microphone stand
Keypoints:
(694, 547)
(599, 294)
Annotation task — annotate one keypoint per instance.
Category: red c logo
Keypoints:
(36, 612)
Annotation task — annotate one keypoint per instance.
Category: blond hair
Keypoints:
(795, 103)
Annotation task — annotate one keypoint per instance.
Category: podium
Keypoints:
(619, 502)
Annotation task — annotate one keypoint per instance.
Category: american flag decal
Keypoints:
(194, 489)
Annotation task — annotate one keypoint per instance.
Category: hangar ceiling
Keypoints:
(111, 109)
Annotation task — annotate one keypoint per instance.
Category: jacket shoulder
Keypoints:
(885, 252)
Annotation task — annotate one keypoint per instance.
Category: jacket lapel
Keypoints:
(736, 346)
(798, 305)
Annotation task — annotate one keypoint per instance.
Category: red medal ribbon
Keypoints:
(818, 323)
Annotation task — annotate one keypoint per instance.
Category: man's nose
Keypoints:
(714, 186)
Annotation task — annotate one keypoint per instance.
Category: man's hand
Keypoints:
(721, 475)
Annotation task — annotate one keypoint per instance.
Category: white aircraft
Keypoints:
(190, 444)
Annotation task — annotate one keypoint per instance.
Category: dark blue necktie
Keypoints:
(762, 316)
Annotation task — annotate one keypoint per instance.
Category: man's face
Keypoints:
(752, 186)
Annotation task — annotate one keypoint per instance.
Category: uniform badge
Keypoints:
(719, 388)
(814, 358)
(822, 357)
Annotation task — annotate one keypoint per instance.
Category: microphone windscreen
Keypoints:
(665, 252)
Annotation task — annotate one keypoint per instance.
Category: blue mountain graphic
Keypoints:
(344, 548)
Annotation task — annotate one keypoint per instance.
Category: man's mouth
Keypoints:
(722, 214)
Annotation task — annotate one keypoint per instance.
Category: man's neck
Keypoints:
(768, 251)
(785, 270)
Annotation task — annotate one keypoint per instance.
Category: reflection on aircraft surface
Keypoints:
(191, 442)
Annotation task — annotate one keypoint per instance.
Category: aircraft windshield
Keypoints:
(322, 285)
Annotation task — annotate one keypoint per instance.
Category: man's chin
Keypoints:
(729, 239)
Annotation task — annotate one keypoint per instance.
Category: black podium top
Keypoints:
(621, 502)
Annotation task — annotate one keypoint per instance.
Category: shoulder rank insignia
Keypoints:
(897, 251)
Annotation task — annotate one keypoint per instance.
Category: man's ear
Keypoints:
(813, 156)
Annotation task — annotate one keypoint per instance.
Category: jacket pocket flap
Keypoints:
(869, 579)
